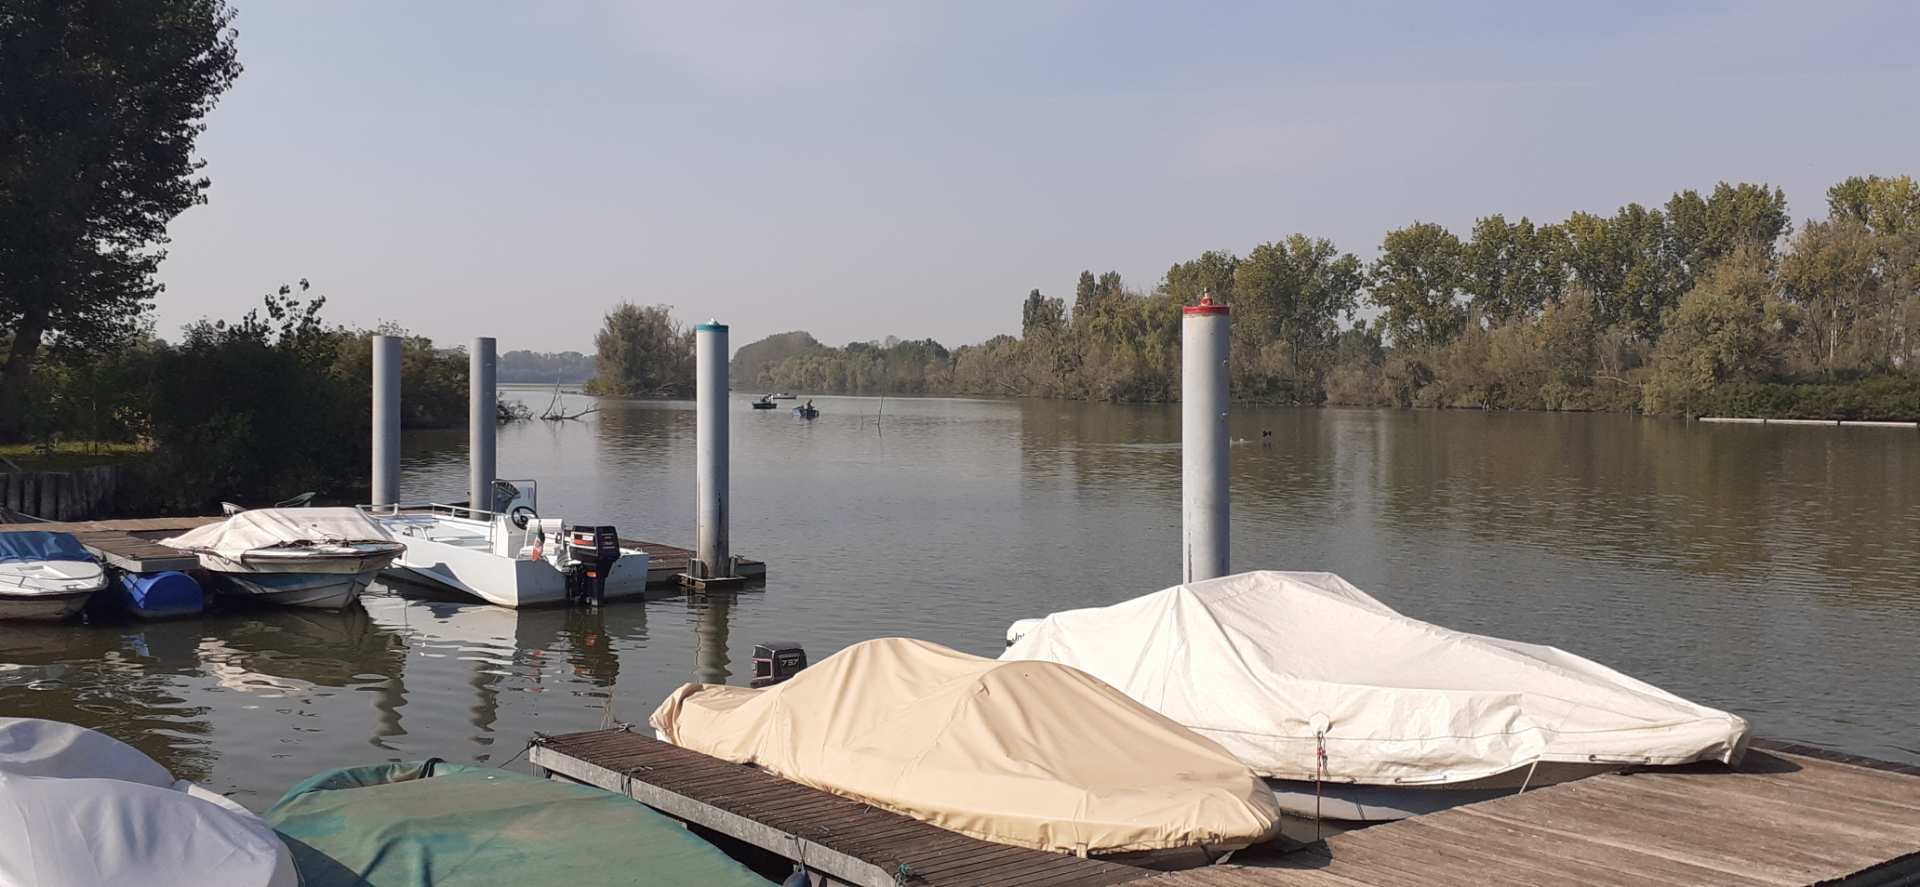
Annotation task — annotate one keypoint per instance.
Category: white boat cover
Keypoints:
(81, 809)
(1262, 662)
(1022, 753)
(271, 527)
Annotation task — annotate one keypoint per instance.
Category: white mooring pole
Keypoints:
(711, 448)
(1204, 497)
(482, 423)
(386, 420)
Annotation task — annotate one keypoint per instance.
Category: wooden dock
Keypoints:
(1787, 815)
(133, 545)
(843, 838)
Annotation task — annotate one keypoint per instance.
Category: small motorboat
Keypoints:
(509, 556)
(765, 403)
(151, 597)
(1352, 711)
(297, 557)
(783, 396)
(807, 411)
(425, 823)
(84, 809)
(1030, 754)
(45, 576)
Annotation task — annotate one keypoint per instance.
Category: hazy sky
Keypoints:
(469, 168)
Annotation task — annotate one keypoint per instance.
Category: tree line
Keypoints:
(547, 368)
(253, 410)
(1708, 303)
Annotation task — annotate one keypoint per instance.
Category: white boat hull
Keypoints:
(41, 607)
(47, 591)
(324, 582)
(507, 582)
(322, 591)
(1355, 803)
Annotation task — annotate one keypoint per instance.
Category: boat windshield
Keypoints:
(511, 494)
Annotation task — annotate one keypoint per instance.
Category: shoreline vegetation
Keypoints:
(1708, 305)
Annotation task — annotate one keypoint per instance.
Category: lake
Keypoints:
(1770, 571)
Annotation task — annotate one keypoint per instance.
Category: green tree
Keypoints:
(1512, 270)
(641, 351)
(1890, 208)
(1040, 315)
(100, 104)
(1296, 291)
(1833, 274)
(1726, 329)
(1213, 272)
(1627, 263)
(1705, 230)
(1884, 205)
(1416, 284)
(1092, 296)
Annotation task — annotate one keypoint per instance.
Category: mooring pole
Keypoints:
(386, 420)
(711, 448)
(1203, 441)
(482, 422)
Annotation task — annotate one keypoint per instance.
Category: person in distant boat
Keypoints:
(809, 403)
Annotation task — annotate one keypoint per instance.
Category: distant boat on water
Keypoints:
(807, 411)
(765, 403)
(783, 396)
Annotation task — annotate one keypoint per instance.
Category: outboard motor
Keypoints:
(776, 661)
(591, 552)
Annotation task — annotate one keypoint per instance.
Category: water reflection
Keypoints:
(710, 651)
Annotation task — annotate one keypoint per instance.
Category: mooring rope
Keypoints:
(1319, 774)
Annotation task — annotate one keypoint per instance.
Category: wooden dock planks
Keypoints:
(848, 840)
(1782, 817)
(665, 562)
(128, 544)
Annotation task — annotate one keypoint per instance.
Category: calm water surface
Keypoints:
(1770, 571)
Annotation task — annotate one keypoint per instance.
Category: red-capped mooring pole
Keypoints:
(1203, 441)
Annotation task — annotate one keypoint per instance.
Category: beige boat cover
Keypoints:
(268, 527)
(1260, 662)
(1024, 753)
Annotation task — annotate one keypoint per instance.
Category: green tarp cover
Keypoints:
(434, 824)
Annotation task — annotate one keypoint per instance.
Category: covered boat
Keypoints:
(1024, 753)
(421, 823)
(79, 808)
(1305, 677)
(46, 576)
(301, 557)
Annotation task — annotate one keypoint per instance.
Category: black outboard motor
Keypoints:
(775, 661)
(591, 552)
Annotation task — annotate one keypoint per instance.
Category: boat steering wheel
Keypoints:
(521, 515)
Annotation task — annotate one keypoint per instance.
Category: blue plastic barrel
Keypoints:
(165, 595)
